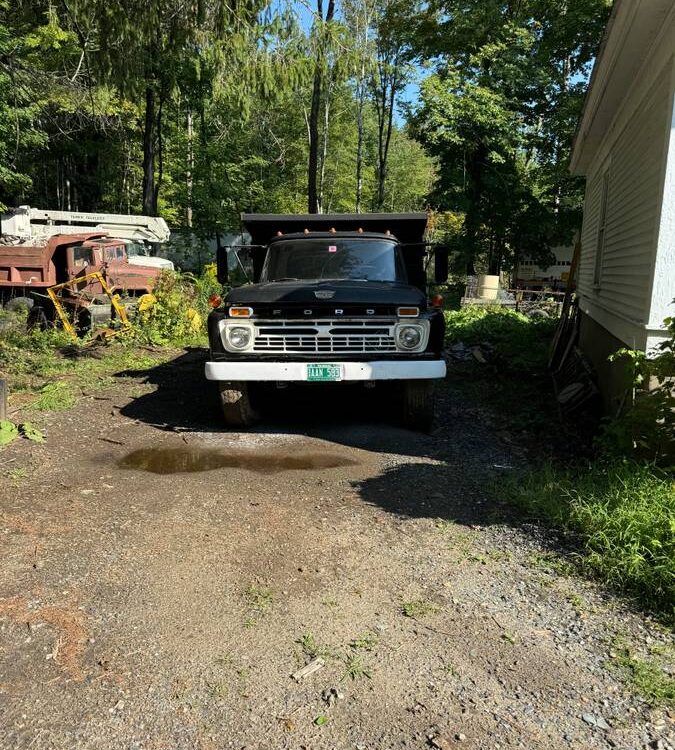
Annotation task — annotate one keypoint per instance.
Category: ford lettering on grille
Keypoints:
(324, 336)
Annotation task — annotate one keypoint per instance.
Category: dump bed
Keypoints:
(407, 228)
(32, 266)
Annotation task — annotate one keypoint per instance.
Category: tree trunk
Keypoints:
(359, 153)
(474, 191)
(313, 128)
(190, 169)
(149, 194)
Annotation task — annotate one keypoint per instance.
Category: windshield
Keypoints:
(332, 258)
(136, 248)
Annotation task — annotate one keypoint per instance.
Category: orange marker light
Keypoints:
(240, 312)
(215, 300)
(408, 312)
(437, 300)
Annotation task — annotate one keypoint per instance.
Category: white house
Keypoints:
(625, 147)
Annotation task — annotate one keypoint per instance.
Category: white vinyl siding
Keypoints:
(627, 242)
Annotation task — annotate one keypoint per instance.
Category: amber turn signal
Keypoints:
(215, 300)
(408, 312)
(437, 300)
(240, 312)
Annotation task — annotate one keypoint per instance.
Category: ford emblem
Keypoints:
(325, 294)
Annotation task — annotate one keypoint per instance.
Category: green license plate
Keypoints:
(323, 372)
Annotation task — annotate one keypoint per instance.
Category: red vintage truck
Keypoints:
(28, 270)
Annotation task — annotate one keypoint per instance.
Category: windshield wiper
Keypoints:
(287, 278)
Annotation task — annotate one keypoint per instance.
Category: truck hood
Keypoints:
(328, 293)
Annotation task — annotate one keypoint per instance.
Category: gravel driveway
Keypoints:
(162, 580)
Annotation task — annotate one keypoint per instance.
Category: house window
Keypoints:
(602, 225)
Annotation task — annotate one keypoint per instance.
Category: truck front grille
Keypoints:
(324, 336)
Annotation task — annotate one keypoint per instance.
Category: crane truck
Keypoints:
(87, 256)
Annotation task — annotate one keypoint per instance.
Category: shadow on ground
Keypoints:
(184, 401)
(453, 474)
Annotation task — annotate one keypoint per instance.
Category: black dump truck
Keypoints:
(335, 298)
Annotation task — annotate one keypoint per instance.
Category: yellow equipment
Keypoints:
(114, 301)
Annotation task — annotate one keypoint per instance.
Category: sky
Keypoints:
(305, 11)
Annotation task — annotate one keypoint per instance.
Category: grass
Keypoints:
(418, 608)
(355, 668)
(45, 371)
(513, 383)
(621, 516)
(260, 600)
(646, 676)
(57, 396)
(312, 649)
(520, 343)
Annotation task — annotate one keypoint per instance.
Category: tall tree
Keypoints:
(499, 114)
(322, 35)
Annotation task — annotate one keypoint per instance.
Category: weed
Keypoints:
(578, 603)
(56, 396)
(520, 342)
(250, 622)
(8, 432)
(17, 475)
(509, 638)
(367, 641)
(418, 608)
(623, 517)
(321, 719)
(217, 689)
(647, 676)
(259, 598)
(329, 602)
(225, 660)
(354, 668)
(499, 555)
(551, 562)
(311, 649)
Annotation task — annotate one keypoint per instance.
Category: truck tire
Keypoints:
(418, 404)
(235, 401)
(19, 303)
(37, 319)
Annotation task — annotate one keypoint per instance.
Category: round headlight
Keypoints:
(239, 337)
(409, 337)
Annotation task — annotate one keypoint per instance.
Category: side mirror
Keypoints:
(221, 265)
(440, 264)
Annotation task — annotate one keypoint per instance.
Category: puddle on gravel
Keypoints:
(189, 460)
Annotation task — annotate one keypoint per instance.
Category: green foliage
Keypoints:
(647, 676)
(8, 432)
(623, 515)
(499, 113)
(417, 608)
(175, 313)
(520, 342)
(31, 432)
(643, 428)
(56, 396)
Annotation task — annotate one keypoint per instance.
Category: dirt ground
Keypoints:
(162, 579)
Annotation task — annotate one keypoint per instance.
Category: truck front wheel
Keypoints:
(418, 404)
(235, 400)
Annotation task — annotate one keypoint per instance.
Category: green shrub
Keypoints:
(623, 514)
(176, 311)
(519, 341)
(645, 426)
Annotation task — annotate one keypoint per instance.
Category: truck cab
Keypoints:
(336, 298)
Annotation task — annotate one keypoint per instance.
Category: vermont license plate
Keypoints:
(321, 372)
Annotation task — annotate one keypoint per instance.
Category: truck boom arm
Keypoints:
(27, 223)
